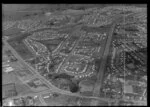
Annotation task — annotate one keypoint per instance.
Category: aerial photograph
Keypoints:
(74, 55)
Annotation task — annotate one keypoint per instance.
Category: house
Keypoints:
(128, 89)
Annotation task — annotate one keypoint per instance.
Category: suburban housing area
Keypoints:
(74, 55)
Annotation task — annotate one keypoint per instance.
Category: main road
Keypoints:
(98, 83)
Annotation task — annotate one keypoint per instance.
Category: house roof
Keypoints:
(128, 89)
